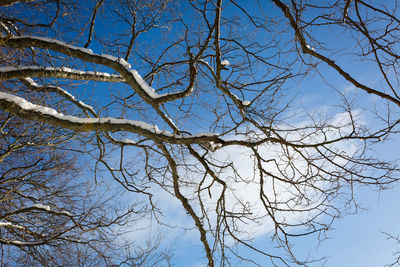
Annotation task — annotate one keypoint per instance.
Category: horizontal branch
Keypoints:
(131, 76)
(30, 111)
(9, 73)
(12, 2)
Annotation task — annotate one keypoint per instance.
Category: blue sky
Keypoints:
(356, 239)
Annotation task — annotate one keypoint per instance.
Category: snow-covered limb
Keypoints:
(49, 209)
(121, 66)
(11, 225)
(42, 207)
(213, 146)
(11, 2)
(11, 72)
(235, 98)
(37, 207)
(28, 110)
(19, 243)
(5, 28)
(27, 233)
(50, 88)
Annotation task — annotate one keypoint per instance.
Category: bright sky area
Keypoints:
(356, 240)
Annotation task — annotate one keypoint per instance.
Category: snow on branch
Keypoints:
(118, 64)
(11, 2)
(11, 225)
(28, 110)
(30, 83)
(11, 72)
(235, 98)
(19, 243)
(35, 207)
(225, 63)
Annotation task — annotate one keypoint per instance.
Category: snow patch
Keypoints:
(124, 63)
(225, 63)
(63, 69)
(109, 57)
(245, 103)
(11, 225)
(5, 224)
(310, 47)
(143, 84)
(128, 141)
(66, 213)
(43, 207)
(118, 60)
(5, 27)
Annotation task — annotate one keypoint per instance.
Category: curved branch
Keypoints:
(31, 84)
(307, 50)
(118, 64)
(27, 110)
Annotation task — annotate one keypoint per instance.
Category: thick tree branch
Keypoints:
(9, 73)
(27, 110)
(118, 64)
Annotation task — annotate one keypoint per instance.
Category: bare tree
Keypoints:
(193, 99)
(52, 213)
(396, 255)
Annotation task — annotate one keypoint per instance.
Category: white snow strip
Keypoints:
(72, 47)
(6, 224)
(11, 225)
(5, 27)
(22, 243)
(55, 41)
(86, 106)
(171, 120)
(118, 60)
(63, 69)
(40, 206)
(148, 89)
(31, 82)
(22, 103)
(124, 63)
(109, 57)
(66, 213)
(143, 84)
(17, 1)
(60, 90)
(63, 91)
(128, 141)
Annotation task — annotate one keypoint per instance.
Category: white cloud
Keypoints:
(243, 186)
